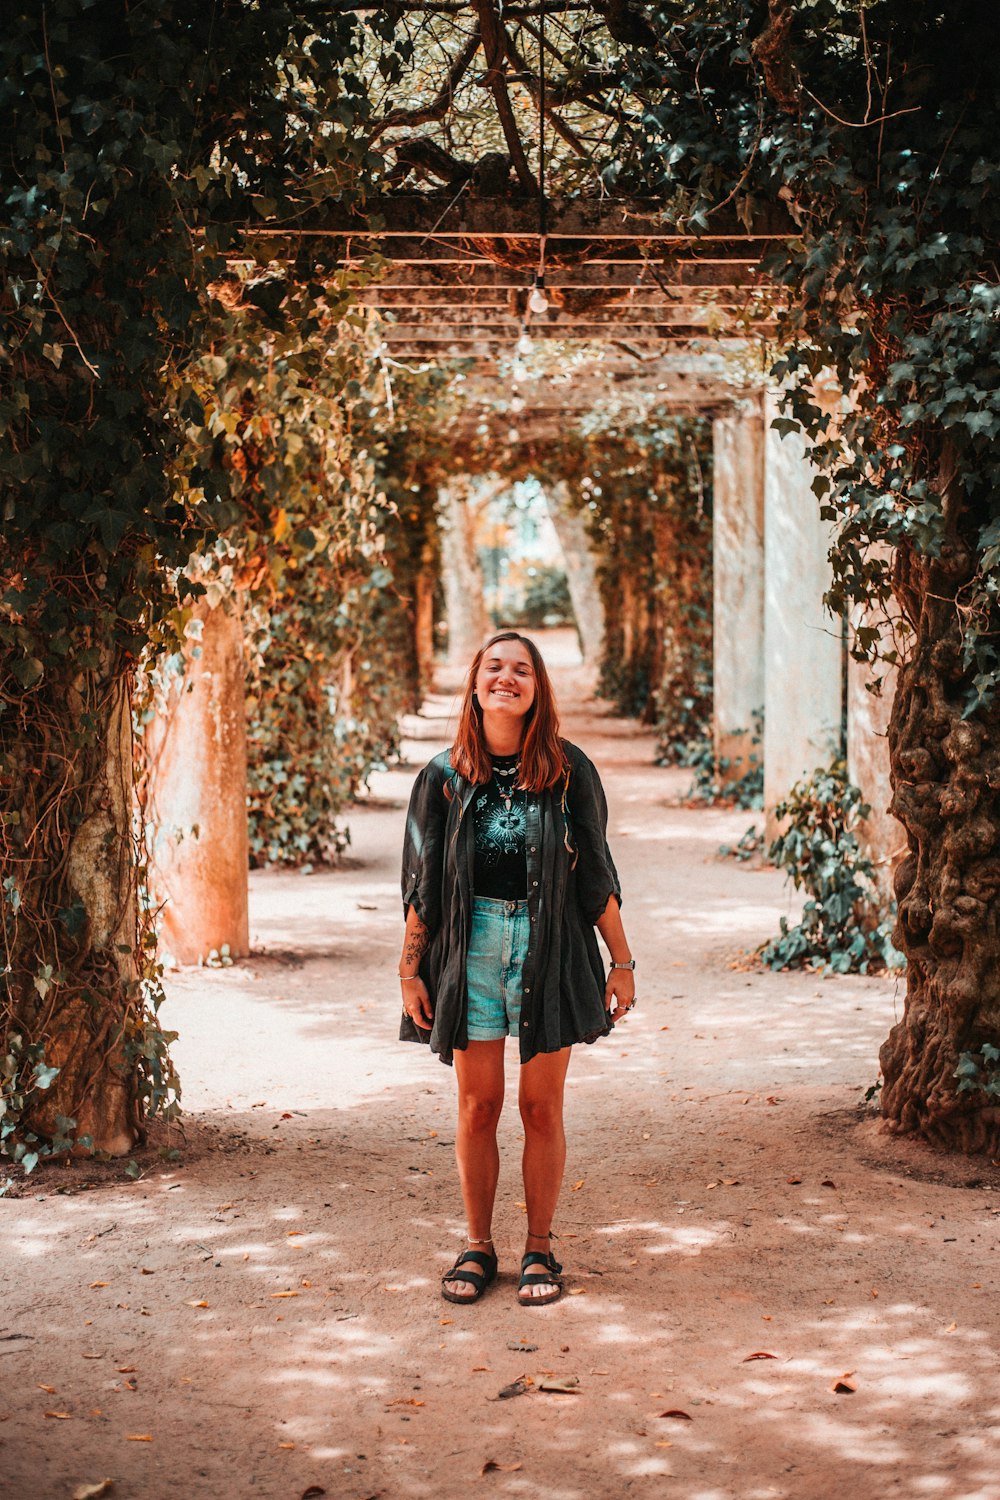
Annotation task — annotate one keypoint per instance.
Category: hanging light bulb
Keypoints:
(537, 301)
(524, 344)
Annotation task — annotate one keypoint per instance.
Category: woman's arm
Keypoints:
(416, 1000)
(619, 992)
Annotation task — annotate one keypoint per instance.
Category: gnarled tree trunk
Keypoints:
(946, 793)
(72, 984)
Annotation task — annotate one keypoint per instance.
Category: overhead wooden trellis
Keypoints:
(474, 279)
(513, 239)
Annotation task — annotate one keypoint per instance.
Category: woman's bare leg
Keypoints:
(540, 1099)
(479, 1070)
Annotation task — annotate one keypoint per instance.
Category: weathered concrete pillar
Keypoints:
(882, 837)
(738, 586)
(465, 605)
(581, 572)
(803, 644)
(197, 797)
(423, 618)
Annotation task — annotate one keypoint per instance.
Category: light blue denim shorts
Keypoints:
(498, 947)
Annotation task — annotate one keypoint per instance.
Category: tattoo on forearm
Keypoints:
(416, 945)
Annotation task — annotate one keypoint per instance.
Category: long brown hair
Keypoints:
(543, 760)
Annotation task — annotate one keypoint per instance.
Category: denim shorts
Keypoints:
(498, 947)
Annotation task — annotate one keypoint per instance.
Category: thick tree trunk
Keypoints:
(581, 573)
(946, 793)
(72, 983)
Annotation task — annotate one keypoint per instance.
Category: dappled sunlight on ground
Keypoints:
(737, 1236)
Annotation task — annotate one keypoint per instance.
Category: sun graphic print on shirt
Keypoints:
(499, 828)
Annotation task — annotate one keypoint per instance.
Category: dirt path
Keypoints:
(266, 1311)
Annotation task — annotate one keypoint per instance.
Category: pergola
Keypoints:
(474, 278)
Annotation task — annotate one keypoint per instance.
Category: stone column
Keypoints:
(463, 578)
(738, 585)
(882, 837)
(803, 644)
(197, 797)
(581, 572)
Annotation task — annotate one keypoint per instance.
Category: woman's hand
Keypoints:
(619, 993)
(417, 1002)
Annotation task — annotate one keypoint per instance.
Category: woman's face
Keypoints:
(505, 682)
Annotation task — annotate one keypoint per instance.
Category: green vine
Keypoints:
(841, 928)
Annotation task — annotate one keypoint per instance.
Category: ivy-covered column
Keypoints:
(803, 649)
(868, 713)
(196, 799)
(738, 570)
(463, 579)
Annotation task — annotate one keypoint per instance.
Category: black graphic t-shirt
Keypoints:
(501, 867)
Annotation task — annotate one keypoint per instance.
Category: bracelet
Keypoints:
(408, 976)
(630, 964)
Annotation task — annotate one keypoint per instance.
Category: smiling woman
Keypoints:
(501, 908)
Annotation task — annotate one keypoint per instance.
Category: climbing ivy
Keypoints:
(875, 130)
(842, 928)
(135, 142)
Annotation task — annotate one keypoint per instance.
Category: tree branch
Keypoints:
(531, 84)
(495, 40)
(440, 106)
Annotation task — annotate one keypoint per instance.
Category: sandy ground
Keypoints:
(262, 1318)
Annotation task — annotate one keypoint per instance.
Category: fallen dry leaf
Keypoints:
(566, 1385)
(293, 1232)
(49, 1389)
(284, 1294)
(139, 1437)
(663, 1444)
(492, 1467)
(313, 1492)
(202, 1303)
(828, 1182)
(685, 1416)
(145, 1271)
(758, 1354)
(93, 1491)
(95, 1284)
(126, 1369)
(62, 1415)
(406, 1401)
(578, 1185)
(952, 1327)
(793, 1180)
(478, 1369)
(518, 1387)
(844, 1385)
(286, 1445)
(92, 1356)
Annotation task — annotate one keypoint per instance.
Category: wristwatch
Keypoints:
(629, 964)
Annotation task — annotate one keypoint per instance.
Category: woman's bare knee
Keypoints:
(479, 1111)
(542, 1116)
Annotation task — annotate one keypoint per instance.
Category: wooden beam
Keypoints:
(446, 215)
(347, 250)
(469, 322)
(652, 275)
(400, 300)
(427, 337)
(694, 339)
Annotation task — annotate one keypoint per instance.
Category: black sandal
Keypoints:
(551, 1276)
(478, 1281)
